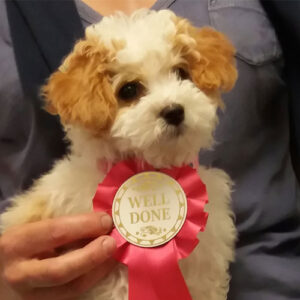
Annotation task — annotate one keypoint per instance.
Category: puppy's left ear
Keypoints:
(210, 58)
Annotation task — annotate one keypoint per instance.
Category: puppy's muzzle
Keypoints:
(173, 114)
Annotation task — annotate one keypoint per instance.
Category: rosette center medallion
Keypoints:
(149, 209)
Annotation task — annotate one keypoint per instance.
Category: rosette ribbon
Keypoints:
(153, 273)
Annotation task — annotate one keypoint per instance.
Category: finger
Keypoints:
(90, 279)
(34, 238)
(62, 269)
(76, 287)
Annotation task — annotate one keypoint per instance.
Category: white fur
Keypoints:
(138, 130)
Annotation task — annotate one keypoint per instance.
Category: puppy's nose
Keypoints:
(173, 114)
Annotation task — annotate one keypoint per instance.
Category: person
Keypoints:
(253, 146)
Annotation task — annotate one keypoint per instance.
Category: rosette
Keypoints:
(158, 214)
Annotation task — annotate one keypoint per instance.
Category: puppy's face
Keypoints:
(150, 83)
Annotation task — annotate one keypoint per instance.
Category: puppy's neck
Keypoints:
(89, 148)
(102, 152)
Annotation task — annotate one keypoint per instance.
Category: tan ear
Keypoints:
(210, 57)
(80, 91)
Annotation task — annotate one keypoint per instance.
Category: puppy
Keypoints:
(146, 86)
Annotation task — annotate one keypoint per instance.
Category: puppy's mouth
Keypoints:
(171, 132)
(175, 132)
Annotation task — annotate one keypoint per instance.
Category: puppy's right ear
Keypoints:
(80, 91)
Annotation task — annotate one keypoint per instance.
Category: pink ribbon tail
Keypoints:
(155, 275)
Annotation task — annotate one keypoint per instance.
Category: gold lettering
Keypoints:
(134, 217)
(154, 200)
(147, 201)
(164, 201)
(152, 215)
(155, 214)
(145, 216)
(134, 202)
(166, 213)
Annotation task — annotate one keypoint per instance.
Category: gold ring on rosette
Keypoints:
(149, 209)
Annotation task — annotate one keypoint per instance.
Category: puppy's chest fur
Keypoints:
(69, 189)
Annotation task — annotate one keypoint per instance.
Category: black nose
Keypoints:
(173, 114)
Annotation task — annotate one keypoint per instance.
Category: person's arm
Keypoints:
(31, 268)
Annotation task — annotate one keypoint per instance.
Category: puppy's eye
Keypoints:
(130, 91)
(182, 73)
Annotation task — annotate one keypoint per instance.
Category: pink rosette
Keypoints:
(153, 273)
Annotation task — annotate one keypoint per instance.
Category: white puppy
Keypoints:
(145, 86)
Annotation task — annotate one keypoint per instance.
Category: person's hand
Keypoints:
(31, 268)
